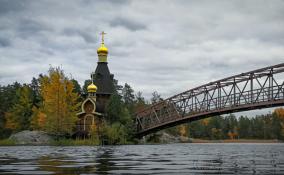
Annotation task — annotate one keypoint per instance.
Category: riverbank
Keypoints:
(60, 142)
(7, 142)
(89, 142)
(236, 141)
(43, 138)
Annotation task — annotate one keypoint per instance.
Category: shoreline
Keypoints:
(8, 142)
(237, 141)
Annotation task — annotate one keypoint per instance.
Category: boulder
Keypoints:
(31, 138)
(164, 137)
(168, 138)
(184, 139)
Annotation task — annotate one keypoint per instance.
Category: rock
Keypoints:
(31, 138)
(164, 137)
(167, 138)
(184, 139)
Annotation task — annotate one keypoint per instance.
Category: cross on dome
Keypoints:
(103, 37)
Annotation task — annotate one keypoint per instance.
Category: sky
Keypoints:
(165, 46)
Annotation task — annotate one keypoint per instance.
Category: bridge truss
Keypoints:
(261, 88)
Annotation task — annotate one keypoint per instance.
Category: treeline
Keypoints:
(269, 126)
(50, 103)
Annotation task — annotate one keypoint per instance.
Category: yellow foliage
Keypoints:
(10, 123)
(60, 103)
(214, 130)
(205, 122)
(182, 130)
(279, 113)
(232, 135)
(41, 119)
(38, 120)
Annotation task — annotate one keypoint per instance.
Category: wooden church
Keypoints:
(93, 108)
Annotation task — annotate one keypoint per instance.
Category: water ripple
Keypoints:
(144, 159)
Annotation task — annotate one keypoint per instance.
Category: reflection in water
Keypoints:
(104, 161)
(145, 159)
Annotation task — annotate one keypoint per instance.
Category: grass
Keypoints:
(7, 142)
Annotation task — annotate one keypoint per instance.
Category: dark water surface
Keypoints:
(144, 159)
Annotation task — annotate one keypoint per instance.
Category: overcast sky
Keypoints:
(165, 46)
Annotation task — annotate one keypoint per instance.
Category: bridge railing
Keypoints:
(241, 92)
(235, 99)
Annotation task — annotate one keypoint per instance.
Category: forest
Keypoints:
(50, 103)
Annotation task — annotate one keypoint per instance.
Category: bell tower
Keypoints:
(102, 77)
(93, 108)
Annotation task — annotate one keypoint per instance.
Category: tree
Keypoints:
(36, 91)
(60, 103)
(86, 84)
(114, 108)
(257, 127)
(18, 117)
(230, 123)
(216, 133)
(119, 110)
(183, 130)
(215, 125)
(244, 127)
(115, 134)
(196, 129)
(156, 97)
(278, 122)
(128, 95)
(8, 98)
(38, 119)
(76, 86)
(140, 102)
(128, 98)
(117, 88)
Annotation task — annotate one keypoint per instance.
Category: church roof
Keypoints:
(103, 79)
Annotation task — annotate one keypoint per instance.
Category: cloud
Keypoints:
(131, 25)
(28, 27)
(7, 6)
(165, 46)
(4, 42)
(73, 32)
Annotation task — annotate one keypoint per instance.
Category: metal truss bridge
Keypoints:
(261, 88)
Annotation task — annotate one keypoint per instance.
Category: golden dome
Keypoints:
(92, 88)
(102, 49)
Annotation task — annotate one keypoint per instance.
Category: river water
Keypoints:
(144, 159)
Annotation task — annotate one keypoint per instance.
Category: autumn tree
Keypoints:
(183, 131)
(278, 122)
(38, 119)
(57, 113)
